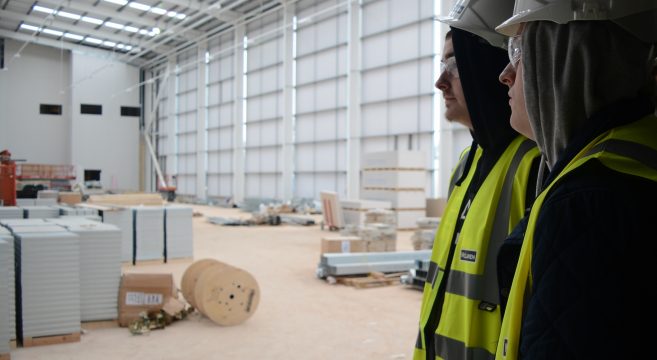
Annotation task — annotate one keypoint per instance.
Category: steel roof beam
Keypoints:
(66, 26)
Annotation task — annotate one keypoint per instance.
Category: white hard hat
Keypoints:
(639, 17)
(480, 18)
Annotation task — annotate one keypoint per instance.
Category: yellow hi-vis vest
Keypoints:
(629, 149)
(470, 317)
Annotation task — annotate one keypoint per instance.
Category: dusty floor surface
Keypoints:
(299, 316)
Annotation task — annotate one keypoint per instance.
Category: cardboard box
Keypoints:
(343, 244)
(143, 292)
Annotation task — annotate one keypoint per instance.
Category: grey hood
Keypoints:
(572, 71)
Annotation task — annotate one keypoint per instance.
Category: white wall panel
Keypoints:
(395, 97)
(397, 78)
(321, 98)
(219, 106)
(186, 118)
(264, 107)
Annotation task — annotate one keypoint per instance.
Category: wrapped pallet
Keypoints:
(423, 238)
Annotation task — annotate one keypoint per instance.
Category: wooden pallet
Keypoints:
(372, 280)
(51, 340)
(101, 324)
(12, 344)
(5, 356)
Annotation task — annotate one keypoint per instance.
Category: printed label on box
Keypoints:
(346, 246)
(140, 298)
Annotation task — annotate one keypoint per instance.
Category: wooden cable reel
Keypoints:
(225, 294)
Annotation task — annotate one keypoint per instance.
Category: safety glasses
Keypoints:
(449, 65)
(515, 50)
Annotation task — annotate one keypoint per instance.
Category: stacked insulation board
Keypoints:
(399, 177)
(11, 212)
(100, 267)
(148, 233)
(152, 232)
(7, 322)
(9, 238)
(122, 218)
(354, 209)
(178, 232)
(76, 211)
(40, 212)
(48, 281)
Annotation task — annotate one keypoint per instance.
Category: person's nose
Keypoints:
(442, 83)
(508, 75)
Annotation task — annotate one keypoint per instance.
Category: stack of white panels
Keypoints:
(10, 223)
(354, 209)
(7, 283)
(11, 212)
(400, 178)
(40, 212)
(149, 233)
(76, 211)
(45, 202)
(123, 220)
(48, 269)
(178, 234)
(48, 194)
(100, 268)
(25, 202)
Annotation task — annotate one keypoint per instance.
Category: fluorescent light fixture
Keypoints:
(53, 32)
(68, 15)
(117, 2)
(109, 43)
(73, 36)
(172, 14)
(139, 6)
(92, 20)
(30, 27)
(113, 25)
(143, 32)
(93, 40)
(181, 16)
(43, 9)
(120, 46)
(156, 31)
(128, 47)
(131, 29)
(158, 11)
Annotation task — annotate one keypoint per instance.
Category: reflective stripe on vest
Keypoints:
(454, 349)
(500, 199)
(484, 287)
(629, 149)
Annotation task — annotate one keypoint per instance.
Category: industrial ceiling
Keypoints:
(136, 32)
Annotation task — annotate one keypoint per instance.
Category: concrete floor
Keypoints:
(299, 316)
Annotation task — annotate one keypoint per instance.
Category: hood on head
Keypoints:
(480, 65)
(573, 71)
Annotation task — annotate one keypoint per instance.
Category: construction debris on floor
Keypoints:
(374, 279)
(266, 215)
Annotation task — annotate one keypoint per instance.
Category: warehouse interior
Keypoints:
(261, 133)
